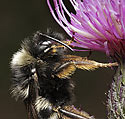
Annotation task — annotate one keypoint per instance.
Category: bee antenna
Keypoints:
(54, 39)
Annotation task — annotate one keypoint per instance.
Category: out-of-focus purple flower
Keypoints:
(96, 25)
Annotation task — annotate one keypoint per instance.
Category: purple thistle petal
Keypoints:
(97, 24)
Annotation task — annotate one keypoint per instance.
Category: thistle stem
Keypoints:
(116, 95)
(123, 73)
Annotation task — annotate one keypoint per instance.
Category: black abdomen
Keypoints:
(57, 91)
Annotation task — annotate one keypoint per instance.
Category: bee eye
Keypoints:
(46, 43)
(40, 43)
(42, 47)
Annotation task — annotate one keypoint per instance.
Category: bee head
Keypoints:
(42, 44)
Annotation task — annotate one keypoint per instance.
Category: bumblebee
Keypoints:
(41, 72)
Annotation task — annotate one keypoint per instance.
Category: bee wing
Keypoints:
(85, 64)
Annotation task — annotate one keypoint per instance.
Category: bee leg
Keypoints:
(72, 39)
(56, 109)
(65, 70)
(90, 53)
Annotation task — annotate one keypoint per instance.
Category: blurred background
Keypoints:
(20, 19)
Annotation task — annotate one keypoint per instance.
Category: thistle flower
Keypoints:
(99, 25)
